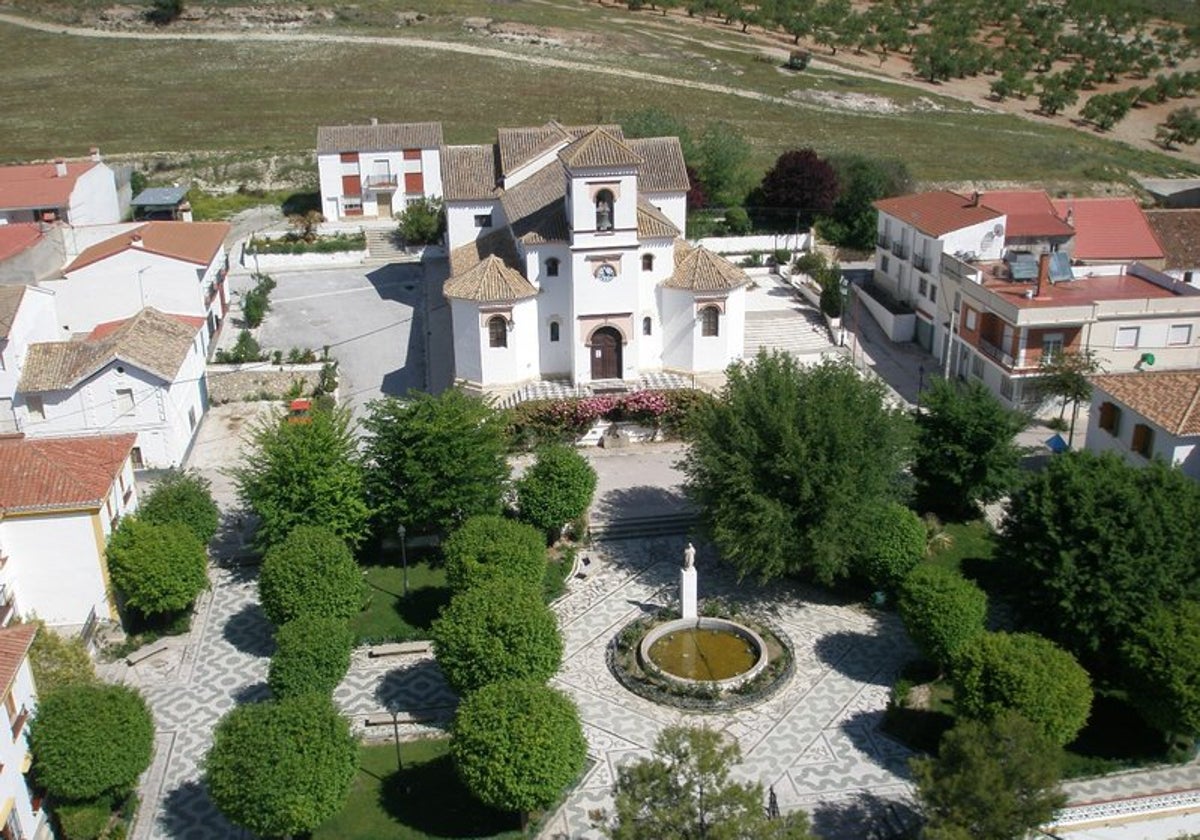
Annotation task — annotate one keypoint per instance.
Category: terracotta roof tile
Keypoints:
(491, 281)
(700, 270)
(598, 150)
(497, 243)
(468, 172)
(518, 146)
(652, 223)
(936, 213)
(17, 237)
(56, 473)
(1030, 213)
(383, 137)
(535, 208)
(10, 302)
(151, 340)
(193, 242)
(1168, 398)
(1110, 229)
(14, 647)
(664, 169)
(1178, 231)
(33, 186)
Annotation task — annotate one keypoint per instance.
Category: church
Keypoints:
(567, 263)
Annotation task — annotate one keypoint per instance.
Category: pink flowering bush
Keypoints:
(563, 420)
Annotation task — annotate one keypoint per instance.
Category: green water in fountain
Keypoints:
(705, 655)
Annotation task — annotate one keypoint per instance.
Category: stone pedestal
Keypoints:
(687, 592)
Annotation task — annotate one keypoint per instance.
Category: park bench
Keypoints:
(145, 653)
(399, 649)
(414, 716)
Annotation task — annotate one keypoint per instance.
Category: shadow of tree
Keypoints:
(409, 688)
(866, 734)
(641, 502)
(250, 632)
(430, 798)
(865, 816)
(252, 693)
(189, 812)
(422, 606)
(859, 656)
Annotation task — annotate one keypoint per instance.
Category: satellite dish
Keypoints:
(998, 230)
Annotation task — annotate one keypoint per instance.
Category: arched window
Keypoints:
(604, 210)
(710, 321)
(554, 330)
(497, 331)
(647, 262)
(647, 325)
(552, 267)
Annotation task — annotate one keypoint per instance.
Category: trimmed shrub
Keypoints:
(894, 546)
(312, 654)
(500, 630)
(556, 490)
(57, 661)
(310, 573)
(486, 547)
(185, 498)
(157, 568)
(942, 611)
(1028, 674)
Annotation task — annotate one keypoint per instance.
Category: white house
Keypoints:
(567, 263)
(60, 498)
(26, 316)
(75, 192)
(373, 171)
(143, 375)
(1146, 415)
(177, 267)
(21, 815)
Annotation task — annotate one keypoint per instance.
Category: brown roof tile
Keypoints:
(652, 223)
(1178, 231)
(14, 647)
(491, 281)
(664, 169)
(1168, 398)
(382, 137)
(535, 207)
(56, 473)
(936, 213)
(193, 242)
(468, 172)
(37, 185)
(151, 340)
(700, 270)
(598, 150)
(518, 146)
(10, 302)
(497, 243)
(16, 237)
(1109, 229)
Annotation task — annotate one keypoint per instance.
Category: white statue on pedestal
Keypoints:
(687, 583)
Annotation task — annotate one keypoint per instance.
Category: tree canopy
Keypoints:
(498, 630)
(989, 781)
(183, 497)
(517, 745)
(57, 661)
(685, 791)
(435, 461)
(895, 544)
(852, 220)
(723, 158)
(1162, 656)
(156, 568)
(310, 573)
(556, 489)
(282, 767)
(941, 611)
(1106, 543)
(788, 465)
(90, 740)
(312, 654)
(304, 473)
(802, 181)
(490, 547)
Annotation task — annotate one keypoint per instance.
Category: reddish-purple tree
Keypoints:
(697, 197)
(801, 180)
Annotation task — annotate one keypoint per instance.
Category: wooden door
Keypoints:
(385, 205)
(606, 354)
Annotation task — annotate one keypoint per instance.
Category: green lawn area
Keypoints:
(971, 543)
(424, 800)
(392, 617)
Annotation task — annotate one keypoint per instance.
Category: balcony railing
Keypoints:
(899, 250)
(374, 182)
(996, 354)
(882, 241)
(920, 262)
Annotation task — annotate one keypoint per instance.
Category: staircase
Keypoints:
(799, 333)
(383, 246)
(638, 527)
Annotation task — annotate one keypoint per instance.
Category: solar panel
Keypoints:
(1060, 267)
(1024, 270)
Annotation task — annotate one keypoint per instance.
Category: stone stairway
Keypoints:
(637, 527)
(800, 332)
(383, 246)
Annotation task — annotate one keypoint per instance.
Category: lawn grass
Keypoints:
(390, 617)
(972, 544)
(424, 800)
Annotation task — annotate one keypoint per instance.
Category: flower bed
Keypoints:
(294, 244)
(565, 420)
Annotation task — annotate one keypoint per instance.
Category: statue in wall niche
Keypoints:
(689, 556)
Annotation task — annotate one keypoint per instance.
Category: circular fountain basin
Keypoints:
(703, 651)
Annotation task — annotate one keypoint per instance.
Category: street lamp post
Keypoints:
(401, 532)
(396, 734)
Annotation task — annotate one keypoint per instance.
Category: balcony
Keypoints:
(881, 241)
(996, 354)
(899, 250)
(381, 182)
(920, 262)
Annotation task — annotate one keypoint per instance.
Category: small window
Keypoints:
(1052, 346)
(124, 400)
(1179, 334)
(710, 322)
(554, 330)
(884, 264)
(1143, 440)
(977, 366)
(135, 457)
(497, 331)
(1110, 418)
(604, 210)
(932, 293)
(483, 220)
(37, 408)
(1127, 337)
(349, 157)
(972, 318)
(647, 326)
(1006, 387)
(647, 262)
(552, 268)
(923, 287)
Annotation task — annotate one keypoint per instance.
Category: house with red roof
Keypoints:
(60, 499)
(1145, 415)
(143, 375)
(27, 316)
(1110, 230)
(21, 813)
(30, 251)
(176, 267)
(78, 193)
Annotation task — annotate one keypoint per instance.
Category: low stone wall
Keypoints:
(899, 327)
(233, 383)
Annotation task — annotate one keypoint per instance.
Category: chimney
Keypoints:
(94, 153)
(374, 120)
(136, 241)
(60, 168)
(1070, 220)
(974, 199)
(1043, 278)
(185, 211)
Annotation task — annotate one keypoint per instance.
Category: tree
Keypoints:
(157, 568)
(787, 465)
(1105, 110)
(1181, 126)
(422, 222)
(1105, 544)
(91, 740)
(852, 220)
(58, 661)
(302, 473)
(499, 630)
(1055, 95)
(517, 745)
(310, 573)
(966, 454)
(723, 158)
(1162, 657)
(487, 548)
(557, 489)
(1026, 673)
(685, 792)
(1065, 375)
(895, 544)
(941, 611)
(990, 781)
(183, 497)
(312, 654)
(162, 12)
(655, 122)
(282, 767)
(435, 461)
(802, 181)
